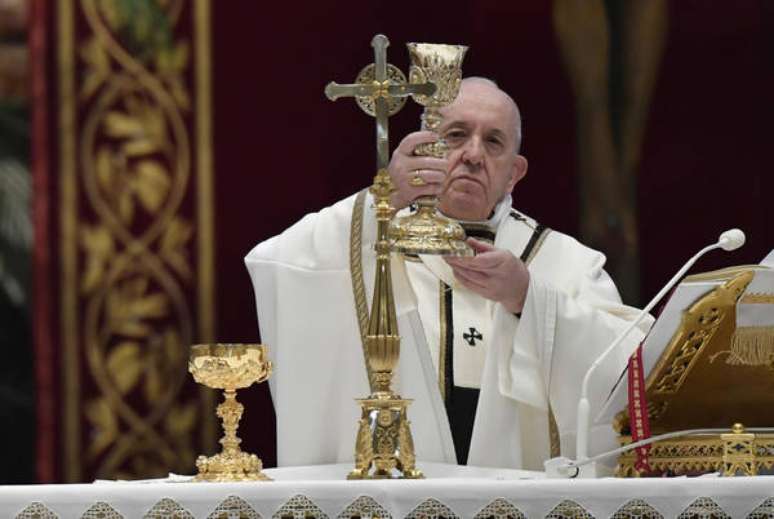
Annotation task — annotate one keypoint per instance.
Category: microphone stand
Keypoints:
(729, 240)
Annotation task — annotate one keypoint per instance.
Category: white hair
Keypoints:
(518, 130)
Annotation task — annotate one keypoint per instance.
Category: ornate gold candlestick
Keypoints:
(384, 440)
(384, 435)
(229, 367)
(427, 231)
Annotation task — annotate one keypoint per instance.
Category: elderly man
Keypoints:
(493, 347)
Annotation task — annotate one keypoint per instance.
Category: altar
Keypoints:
(449, 491)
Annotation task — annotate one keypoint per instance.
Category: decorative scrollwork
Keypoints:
(568, 509)
(500, 509)
(637, 509)
(135, 237)
(368, 75)
(432, 509)
(101, 510)
(699, 323)
(364, 507)
(764, 510)
(36, 511)
(703, 508)
(234, 507)
(299, 507)
(168, 509)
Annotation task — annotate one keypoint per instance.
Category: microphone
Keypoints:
(732, 239)
(729, 240)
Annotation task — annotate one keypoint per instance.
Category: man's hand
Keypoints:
(493, 273)
(405, 168)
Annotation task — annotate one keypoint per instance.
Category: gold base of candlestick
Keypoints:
(384, 441)
(428, 232)
(229, 367)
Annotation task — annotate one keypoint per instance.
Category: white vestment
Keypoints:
(307, 317)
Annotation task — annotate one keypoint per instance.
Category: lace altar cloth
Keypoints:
(448, 492)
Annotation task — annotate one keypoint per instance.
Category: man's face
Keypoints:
(480, 129)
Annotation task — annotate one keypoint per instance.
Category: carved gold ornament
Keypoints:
(427, 231)
(132, 271)
(383, 442)
(229, 367)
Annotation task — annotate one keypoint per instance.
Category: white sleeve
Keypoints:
(572, 313)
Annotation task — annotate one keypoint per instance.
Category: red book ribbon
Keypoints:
(638, 410)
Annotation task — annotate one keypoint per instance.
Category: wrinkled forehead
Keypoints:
(479, 104)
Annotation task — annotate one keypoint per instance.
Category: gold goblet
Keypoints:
(229, 367)
(427, 231)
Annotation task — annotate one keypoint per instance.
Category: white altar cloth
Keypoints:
(448, 491)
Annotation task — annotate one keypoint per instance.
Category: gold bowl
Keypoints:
(229, 366)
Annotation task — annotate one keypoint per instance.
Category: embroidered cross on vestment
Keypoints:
(471, 337)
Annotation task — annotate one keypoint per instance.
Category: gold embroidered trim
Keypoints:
(752, 346)
(68, 248)
(537, 246)
(356, 271)
(555, 440)
(442, 340)
(757, 299)
(553, 429)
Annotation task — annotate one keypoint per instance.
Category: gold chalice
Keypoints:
(229, 367)
(427, 231)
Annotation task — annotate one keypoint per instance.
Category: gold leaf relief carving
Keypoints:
(129, 307)
(124, 365)
(179, 423)
(173, 246)
(104, 426)
(181, 419)
(151, 184)
(98, 248)
(163, 358)
(132, 168)
(171, 64)
(97, 67)
(141, 324)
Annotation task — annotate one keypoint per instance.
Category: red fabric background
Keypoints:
(282, 149)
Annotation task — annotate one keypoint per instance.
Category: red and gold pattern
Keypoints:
(135, 235)
(638, 415)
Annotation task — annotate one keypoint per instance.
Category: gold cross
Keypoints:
(380, 90)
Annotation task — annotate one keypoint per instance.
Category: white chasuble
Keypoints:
(306, 287)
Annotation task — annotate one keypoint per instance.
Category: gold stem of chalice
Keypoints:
(427, 231)
(229, 367)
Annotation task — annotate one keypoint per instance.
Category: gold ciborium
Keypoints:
(427, 231)
(229, 367)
